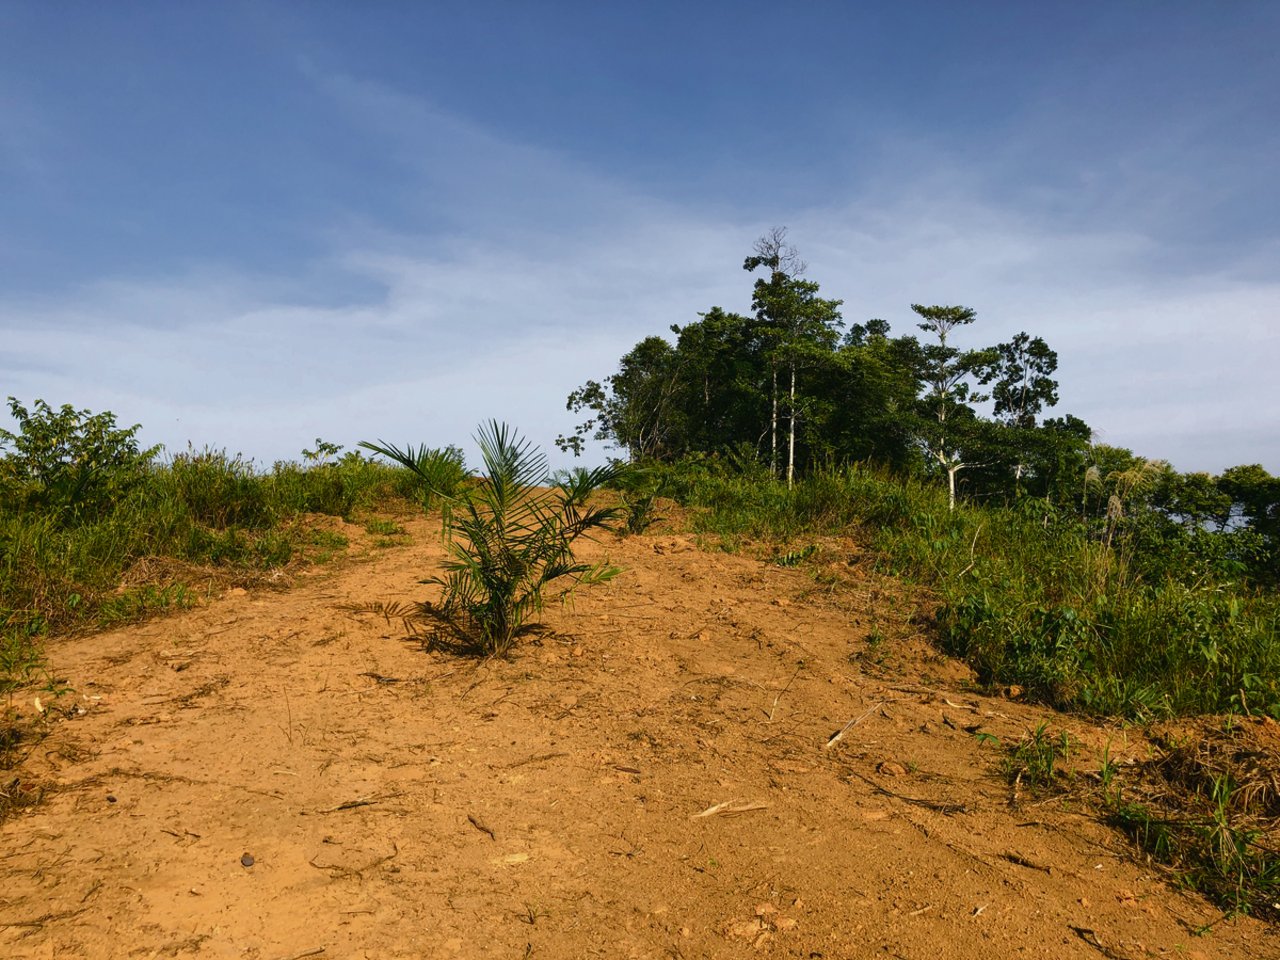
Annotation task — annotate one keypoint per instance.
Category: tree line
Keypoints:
(790, 388)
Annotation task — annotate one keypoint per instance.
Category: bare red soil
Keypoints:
(274, 775)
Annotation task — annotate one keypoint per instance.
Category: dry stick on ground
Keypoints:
(481, 826)
(45, 919)
(837, 737)
(337, 871)
(313, 952)
(537, 759)
(774, 708)
(362, 802)
(729, 808)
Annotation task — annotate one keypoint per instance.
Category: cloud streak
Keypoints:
(515, 272)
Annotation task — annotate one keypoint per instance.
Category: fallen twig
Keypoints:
(336, 870)
(784, 690)
(729, 808)
(45, 918)
(313, 952)
(538, 759)
(839, 735)
(361, 802)
(1091, 938)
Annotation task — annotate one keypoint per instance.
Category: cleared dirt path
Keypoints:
(273, 775)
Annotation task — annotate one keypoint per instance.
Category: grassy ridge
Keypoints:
(1100, 620)
(61, 570)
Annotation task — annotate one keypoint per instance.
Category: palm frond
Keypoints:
(510, 538)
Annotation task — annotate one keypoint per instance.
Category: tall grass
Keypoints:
(1033, 597)
(61, 570)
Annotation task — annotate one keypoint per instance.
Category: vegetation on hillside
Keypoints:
(1130, 615)
(1092, 576)
(95, 530)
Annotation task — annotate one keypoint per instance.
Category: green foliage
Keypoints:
(1120, 617)
(1033, 761)
(144, 601)
(219, 490)
(793, 558)
(1215, 852)
(384, 528)
(81, 506)
(797, 329)
(640, 490)
(335, 487)
(434, 474)
(510, 540)
(782, 382)
(67, 462)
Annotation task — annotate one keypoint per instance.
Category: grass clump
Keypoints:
(1207, 805)
(640, 490)
(433, 475)
(1035, 760)
(510, 539)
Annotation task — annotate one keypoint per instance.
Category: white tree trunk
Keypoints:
(791, 430)
(773, 428)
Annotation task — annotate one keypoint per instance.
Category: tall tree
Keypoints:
(1256, 499)
(635, 407)
(1021, 376)
(797, 324)
(947, 422)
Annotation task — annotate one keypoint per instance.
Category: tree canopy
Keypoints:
(783, 385)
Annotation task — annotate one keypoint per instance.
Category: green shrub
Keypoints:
(640, 489)
(219, 490)
(68, 463)
(1033, 596)
(335, 488)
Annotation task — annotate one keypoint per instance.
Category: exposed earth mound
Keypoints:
(711, 756)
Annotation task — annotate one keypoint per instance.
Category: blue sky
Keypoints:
(249, 224)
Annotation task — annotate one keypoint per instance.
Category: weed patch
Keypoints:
(1207, 806)
(1035, 761)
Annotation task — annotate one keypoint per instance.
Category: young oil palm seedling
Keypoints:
(510, 538)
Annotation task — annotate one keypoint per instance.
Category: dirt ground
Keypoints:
(276, 775)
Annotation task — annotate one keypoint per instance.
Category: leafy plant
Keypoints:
(383, 527)
(793, 558)
(510, 539)
(1218, 853)
(67, 461)
(1033, 760)
(641, 489)
(440, 471)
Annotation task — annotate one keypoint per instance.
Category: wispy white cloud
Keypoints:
(519, 272)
